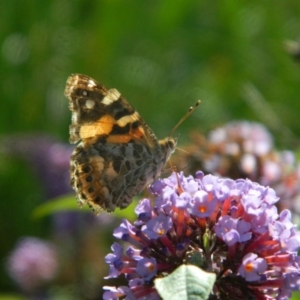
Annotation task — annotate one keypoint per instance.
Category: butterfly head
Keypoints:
(168, 146)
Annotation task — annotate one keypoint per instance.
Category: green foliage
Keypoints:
(64, 203)
(296, 296)
(11, 297)
(184, 284)
(69, 203)
(161, 55)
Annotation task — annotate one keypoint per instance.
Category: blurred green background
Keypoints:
(162, 56)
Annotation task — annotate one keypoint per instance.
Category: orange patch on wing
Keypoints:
(120, 138)
(138, 133)
(101, 127)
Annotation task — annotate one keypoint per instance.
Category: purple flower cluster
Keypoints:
(229, 227)
(32, 263)
(242, 136)
(244, 149)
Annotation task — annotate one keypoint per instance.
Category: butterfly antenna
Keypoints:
(189, 112)
(183, 150)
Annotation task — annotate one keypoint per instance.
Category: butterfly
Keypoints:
(117, 154)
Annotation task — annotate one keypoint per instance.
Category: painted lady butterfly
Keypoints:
(118, 154)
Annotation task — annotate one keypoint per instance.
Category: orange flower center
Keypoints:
(249, 267)
(202, 209)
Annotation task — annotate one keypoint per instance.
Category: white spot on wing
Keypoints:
(89, 104)
(112, 95)
(107, 101)
(72, 129)
(91, 83)
(74, 117)
(125, 120)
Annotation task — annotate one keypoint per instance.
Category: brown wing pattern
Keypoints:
(118, 154)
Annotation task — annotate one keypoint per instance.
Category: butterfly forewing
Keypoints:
(118, 154)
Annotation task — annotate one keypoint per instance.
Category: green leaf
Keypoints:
(187, 282)
(295, 296)
(64, 203)
(68, 203)
(11, 297)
